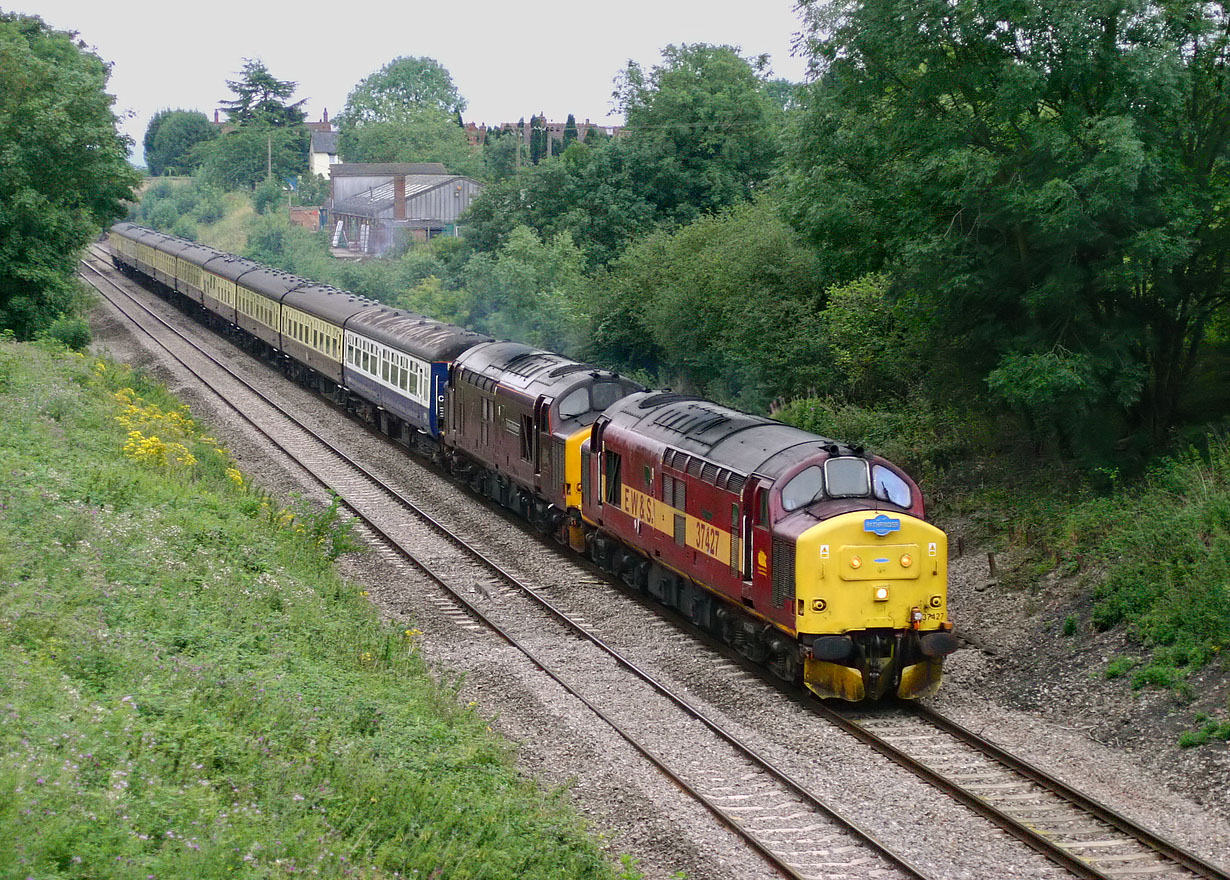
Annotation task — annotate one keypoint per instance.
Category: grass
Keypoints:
(190, 690)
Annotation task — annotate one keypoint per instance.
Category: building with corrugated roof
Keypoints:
(375, 206)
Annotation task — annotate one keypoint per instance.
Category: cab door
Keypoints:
(758, 549)
(542, 431)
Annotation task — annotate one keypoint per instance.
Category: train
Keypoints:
(811, 557)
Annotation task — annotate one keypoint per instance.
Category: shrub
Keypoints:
(267, 196)
(71, 331)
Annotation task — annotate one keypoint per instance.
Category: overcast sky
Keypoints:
(509, 60)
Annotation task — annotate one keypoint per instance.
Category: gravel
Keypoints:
(1045, 705)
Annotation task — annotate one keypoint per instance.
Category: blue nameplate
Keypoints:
(881, 525)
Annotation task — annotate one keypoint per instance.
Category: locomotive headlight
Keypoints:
(855, 562)
(881, 594)
(907, 560)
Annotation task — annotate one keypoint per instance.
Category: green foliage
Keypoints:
(726, 306)
(415, 134)
(180, 207)
(244, 157)
(1047, 176)
(528, 290)
(171, 141)
(311, 190)
(500, 153)
(71, 331)
(267, 196)
(1071, 625)
(704, 118)
(1120, 666)
(1210, 729)
(262, 99)
(924, 437)
(700, 138)
(64, 172)
(190, 690)
(401, 85)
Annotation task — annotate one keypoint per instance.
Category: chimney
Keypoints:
(399, 197)
(325, 116)
(215, 117)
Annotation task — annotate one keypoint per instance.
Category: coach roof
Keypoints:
(414, 334)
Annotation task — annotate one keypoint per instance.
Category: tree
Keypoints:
(402, 84)
(1052, 176)
(246, 156)
(538, 139)
(570, 130)
(419, 134)
(262, 98)
(727, 306)
(151, 131)
(176, 134)
(269, 138)
(704, 121)
(64, 171)
(701, 137)
(500, 152)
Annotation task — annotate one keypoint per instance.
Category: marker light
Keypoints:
(855, 562)
(907, 561)
(818, 604)
(881, 594)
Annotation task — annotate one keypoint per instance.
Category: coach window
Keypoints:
(890, 487)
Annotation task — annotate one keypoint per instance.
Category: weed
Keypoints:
(1120, 666)
(190, 692)
(1070, 625)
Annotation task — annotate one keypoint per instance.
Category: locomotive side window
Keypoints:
(847, 478)
(890, 487)
(803, 488)
(614, 482)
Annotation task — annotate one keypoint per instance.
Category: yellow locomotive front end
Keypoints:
(872, 605)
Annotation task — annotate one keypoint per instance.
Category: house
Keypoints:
(375, 206)
(323, 152)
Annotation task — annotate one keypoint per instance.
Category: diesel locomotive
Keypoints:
(804, 554)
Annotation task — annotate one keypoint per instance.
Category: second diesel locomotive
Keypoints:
(802, 553)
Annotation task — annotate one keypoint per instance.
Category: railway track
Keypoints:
(794, 830)
(1086, 837)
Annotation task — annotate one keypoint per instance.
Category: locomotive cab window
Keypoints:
(847, 478)
(574, 403)
(803, 488)
(890, 487)
(605, 393)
